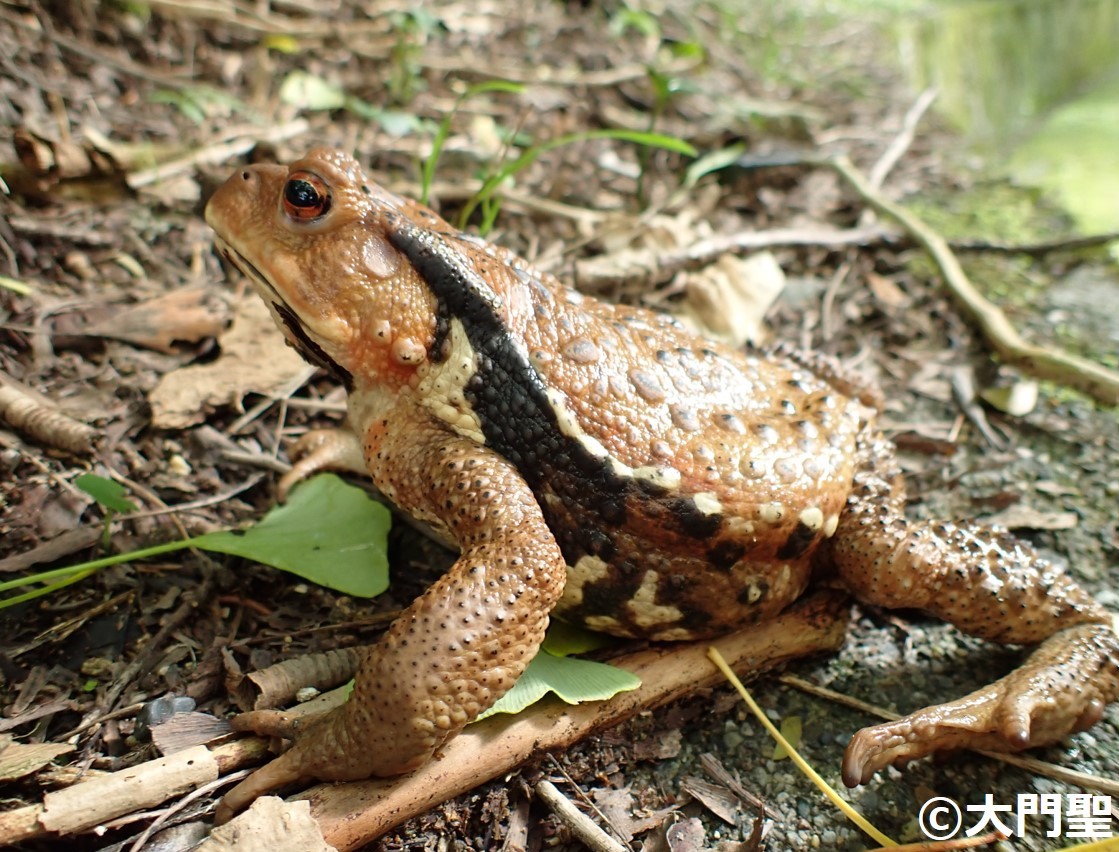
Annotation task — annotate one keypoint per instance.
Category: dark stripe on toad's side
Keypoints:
(311, 350)
(726, 553)
(798, 542)
(511, 402)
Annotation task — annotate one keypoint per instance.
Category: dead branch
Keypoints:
(1039, 248)
(91, 803)
(353, 814)
(1042, 362)
(581, 825)
(643, 266)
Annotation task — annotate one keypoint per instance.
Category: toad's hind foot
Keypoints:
(1061, 689)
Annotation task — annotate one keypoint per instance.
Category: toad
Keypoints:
(600, 463)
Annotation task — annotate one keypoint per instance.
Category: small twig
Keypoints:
(202, 502)
(1091, 378)
(581, 825)
(902, 141)
(215, 154)
(878, 173)
(585, 799)
(1037, 249)
(181, 804)
(634, 267)
(967, 398)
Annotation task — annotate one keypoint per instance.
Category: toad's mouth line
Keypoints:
(296, 335)
(249, 270)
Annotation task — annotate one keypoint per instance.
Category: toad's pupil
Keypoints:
(301, 193)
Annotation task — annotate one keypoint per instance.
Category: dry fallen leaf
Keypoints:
(729, 299)
(20, 759)
(186, 315)
(254, 359)
(273, 824)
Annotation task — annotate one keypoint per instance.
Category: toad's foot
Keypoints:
(329, 747)
(322, 449)
(1061, 689)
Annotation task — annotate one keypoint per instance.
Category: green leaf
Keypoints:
(15, 286)
(328, 532)
(310, 91)
(790, 730)
(281, 43)
(107, 492)
(563, 639)
(573, 680)
(713, 162)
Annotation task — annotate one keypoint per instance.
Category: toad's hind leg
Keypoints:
(989, 584)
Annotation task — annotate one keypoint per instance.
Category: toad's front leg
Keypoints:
(456, 649)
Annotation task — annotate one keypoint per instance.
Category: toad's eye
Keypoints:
(306, 196)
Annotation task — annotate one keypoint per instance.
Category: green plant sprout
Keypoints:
(484, 195)
(427, 169)
(110, 496)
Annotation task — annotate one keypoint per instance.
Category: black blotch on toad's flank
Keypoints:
(759, 587)
(725, 554)
(687, 518)
(511, 402)
(798, 542)
(610, 595)
(311, 350)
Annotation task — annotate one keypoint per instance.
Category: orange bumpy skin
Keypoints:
(602, 463)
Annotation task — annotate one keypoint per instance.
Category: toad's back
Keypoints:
(687, 483)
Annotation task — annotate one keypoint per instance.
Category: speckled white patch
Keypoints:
(771, 513)
(753, 591)
(589, 569)
(440, 387)
(666, 477)
(812, 517)
(604, 624)
(737, 526)
(643, 607)
(707, 503)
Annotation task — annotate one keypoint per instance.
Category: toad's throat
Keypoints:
(308, 348)
(297, 335)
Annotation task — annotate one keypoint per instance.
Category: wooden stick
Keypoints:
(353, 814)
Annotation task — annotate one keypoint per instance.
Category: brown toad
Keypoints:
(602, 463)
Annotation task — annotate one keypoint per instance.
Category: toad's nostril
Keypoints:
(245, 175)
